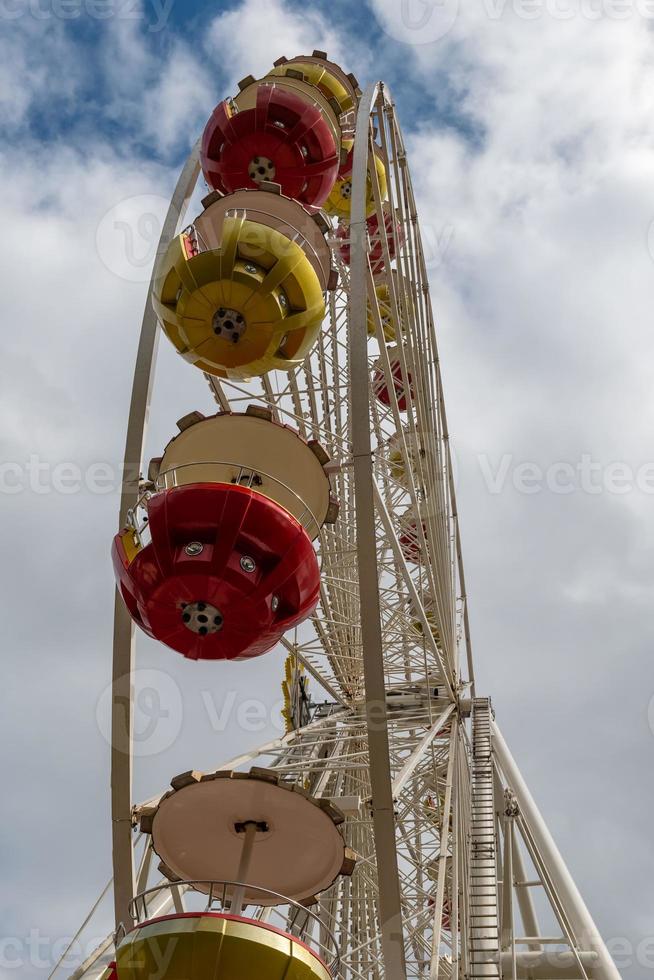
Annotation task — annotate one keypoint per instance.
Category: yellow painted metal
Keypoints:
(320, 76)
(419, 458)
(405, 306)
(293, 672)
(430, 616)
(213, 947)
(386, 316)
(131, 544)
(258, 273)
(397, 467)
(338, 202)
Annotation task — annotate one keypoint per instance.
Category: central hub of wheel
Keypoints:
(346, 189)
(228, 324)
(201, 618)
(261, 168)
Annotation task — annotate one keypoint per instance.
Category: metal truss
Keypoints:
(456, 868)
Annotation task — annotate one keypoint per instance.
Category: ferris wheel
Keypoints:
(388, 834)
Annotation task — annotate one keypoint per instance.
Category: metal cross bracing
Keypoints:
(330, 760)
(454, 859)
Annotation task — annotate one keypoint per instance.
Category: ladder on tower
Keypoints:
(484, 916)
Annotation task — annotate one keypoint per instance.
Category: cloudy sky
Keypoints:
(529, 126)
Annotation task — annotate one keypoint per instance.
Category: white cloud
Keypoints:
(178, 105)
(165, 95)
(248, 39)
(27, 56)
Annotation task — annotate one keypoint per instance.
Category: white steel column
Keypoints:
(390, 906)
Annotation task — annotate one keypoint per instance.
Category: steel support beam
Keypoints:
(548, 965)
(390, 907)
(435, 962)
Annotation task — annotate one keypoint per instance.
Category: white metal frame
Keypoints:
(389, 644)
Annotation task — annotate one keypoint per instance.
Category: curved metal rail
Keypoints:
(298, 921)
(123, 641)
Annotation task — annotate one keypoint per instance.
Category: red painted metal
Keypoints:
(409, 541)
(394, 236)
(382, 391)
(446, 913)
(284, 129)
(231, 523)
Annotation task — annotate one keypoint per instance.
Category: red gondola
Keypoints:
(226, 573)
(282, 138)
(410, 540)
(381, 389)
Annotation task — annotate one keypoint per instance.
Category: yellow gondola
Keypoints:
(252, 301)
(403, 297)
(339, 202)
(340, 89)
(432, 620)
(222, 947)
(415, 449)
